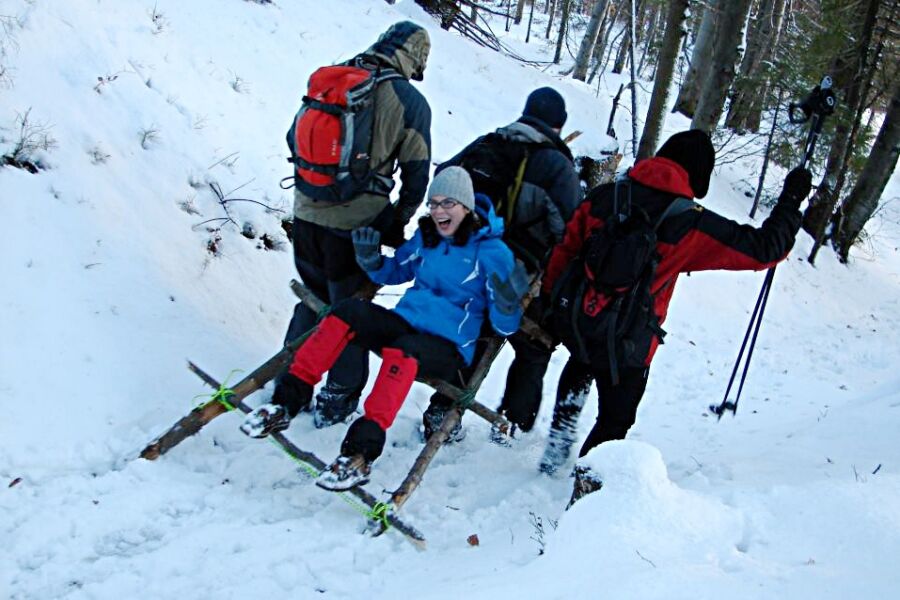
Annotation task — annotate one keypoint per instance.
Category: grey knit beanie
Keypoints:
(453, 182)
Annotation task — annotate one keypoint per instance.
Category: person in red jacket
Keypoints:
(696, 239)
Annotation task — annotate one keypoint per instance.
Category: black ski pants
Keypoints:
(375, 327)
(525, 381)
(617, 403)
(326, 263)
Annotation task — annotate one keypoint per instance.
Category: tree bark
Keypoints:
(848, 75)
(602, 38)
(654, 16)
(751, 86)
(863, 200)
(631, 31)
(563, 25)
(689, 94)
(520, 10)
(589, 40)
(721, 69)
(668, 53)
(550, 19)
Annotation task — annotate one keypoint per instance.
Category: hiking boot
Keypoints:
(503, 438)
(266, 419)
(344, 473)
(334, 406)
(294, 394)
(432, 419)
(559, 447)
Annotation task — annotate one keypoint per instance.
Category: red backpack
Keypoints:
(331, 136)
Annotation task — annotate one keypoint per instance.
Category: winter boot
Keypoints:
(502, 438)
(344, 473)
(432, 419)
(335, 404)
(292, 393)
(572, 392)
(266, 419)
(291, 396)
(361, 446)
(397, 374)
(559, 447)
(320, 350)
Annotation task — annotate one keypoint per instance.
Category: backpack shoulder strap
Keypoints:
(678, 206)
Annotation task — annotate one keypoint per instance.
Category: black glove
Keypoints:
(508, 294)
(367, 244)
(393, 235)
(796, 188)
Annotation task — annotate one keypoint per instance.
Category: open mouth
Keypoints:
(443, 224)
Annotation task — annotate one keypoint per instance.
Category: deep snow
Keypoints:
(108, 286)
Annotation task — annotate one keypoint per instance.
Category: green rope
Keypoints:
(222, 394)
(466, 399)
(378, 513)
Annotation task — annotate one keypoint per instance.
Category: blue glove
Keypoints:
(367, 245)
(508, 294)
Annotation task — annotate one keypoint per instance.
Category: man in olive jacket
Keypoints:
(323, 250)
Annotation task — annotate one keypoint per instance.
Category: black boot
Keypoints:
(335, 404)
(434, 416)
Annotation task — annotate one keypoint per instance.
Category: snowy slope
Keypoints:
(108, 286)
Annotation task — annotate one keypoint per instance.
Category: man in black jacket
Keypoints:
(550, 193)
(696, 239)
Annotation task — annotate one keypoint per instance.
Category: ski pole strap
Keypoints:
(222, 394)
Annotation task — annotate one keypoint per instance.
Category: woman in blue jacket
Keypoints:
(461, 271)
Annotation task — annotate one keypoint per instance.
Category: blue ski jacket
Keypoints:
(452, 292)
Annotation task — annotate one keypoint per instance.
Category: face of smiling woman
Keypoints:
(447, 214)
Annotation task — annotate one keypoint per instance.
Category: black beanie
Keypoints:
(547, 105)
(694, 151)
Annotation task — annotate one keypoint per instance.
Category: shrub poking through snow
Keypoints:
(31, 138)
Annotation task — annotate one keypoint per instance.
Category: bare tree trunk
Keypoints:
(751, 86)
(631, 30)
(721, 72)
(563, 25)
(550, 19)
(606, 26)
(765, 164)
(654, 15)
(863, 200)
(668, 53)
(689, 94)
(850, 67)
(520, 10)
(589, 40)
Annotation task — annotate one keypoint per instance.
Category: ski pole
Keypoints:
(820, 103)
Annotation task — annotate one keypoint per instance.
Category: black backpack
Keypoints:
(617, 261)
(496, 165)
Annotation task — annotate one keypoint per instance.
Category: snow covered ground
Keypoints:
(108, 285)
